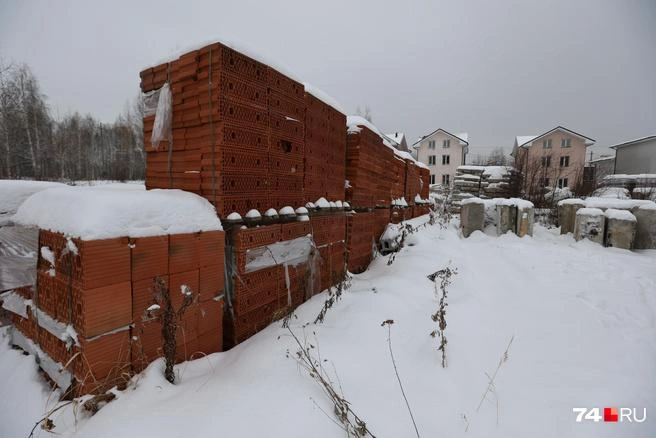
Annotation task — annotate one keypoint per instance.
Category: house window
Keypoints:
(445, 180)
(545, 182)
(562, 183)
(431, 144)
(432, 179)
(445, 159)
(565, 143)
(546, 144)
(431, 160)
(446, 143)
(564, 161)
(546, 161)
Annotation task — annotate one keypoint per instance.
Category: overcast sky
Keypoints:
(495, 69)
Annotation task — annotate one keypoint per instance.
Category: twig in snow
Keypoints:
(46, 423)
(490, 385)
(389, 323)
(352, 424)
(440, 315)
(334, 295)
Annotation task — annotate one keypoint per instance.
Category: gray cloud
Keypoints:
(493, 69)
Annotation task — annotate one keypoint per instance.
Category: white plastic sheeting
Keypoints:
(290, 252)
(162, 128)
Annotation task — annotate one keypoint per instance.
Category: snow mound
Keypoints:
(92, 213)
(239, 46)
(624, 215)
(620, 204)
(589, 211)
(14, 192)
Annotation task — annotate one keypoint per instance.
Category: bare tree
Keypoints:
(366, 113)
(36, 145)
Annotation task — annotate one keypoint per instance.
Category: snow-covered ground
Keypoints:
(583, 320)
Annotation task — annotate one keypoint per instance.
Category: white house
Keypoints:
(398, 140)
(442, 152)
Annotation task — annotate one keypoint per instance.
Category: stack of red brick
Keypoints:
(102, 288)
(239, 134)
(360, 239)
(261, 296)
(329, 234)
(368, 162)
(325, 150)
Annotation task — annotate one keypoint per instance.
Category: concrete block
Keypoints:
(506, 219)
(472, 217)
(620, 228)
(590, 224)
(525, 221)
(645, 237)
(567, 216)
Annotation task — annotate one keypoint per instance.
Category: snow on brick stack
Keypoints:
(100, 250)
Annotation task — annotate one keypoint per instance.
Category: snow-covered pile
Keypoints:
(624, 215)
(237, 45)
(581, 320)
(14, 192)
(611, 192)
(514, 202)
(589, 211)
(620, 204)
(103, 212)
(559, 193)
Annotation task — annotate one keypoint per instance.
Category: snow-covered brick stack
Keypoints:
(325, 148)
(367, 166)
(223, 105)
(377, 173)
(100, 253)
(239, 131)
(262, 289)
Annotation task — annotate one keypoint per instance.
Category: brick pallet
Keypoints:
(371, 170)
(239, 134)
(325, 141)
(102, 288)
(360, 240)
(260, 297)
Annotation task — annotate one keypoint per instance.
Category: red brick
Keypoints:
(150, 257)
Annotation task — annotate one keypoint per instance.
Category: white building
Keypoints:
(442, 152)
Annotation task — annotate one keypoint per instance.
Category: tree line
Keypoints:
(36, 145)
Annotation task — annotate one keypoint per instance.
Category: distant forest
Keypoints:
(36, 145)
